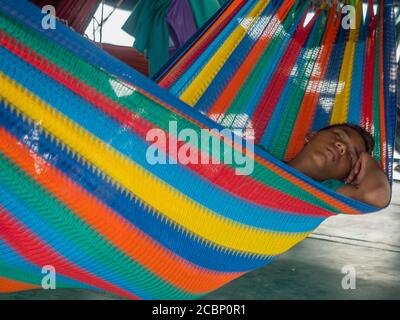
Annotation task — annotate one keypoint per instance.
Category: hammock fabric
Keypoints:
(283, 79)
(76, 190)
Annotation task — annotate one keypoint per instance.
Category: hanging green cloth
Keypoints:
(203, 10)
(148, 25)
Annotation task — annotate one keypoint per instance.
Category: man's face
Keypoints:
(334, 151)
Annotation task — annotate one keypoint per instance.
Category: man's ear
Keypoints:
(309, 136)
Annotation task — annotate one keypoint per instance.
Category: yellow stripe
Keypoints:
(140, 182)
(199, 85)
(341, 106)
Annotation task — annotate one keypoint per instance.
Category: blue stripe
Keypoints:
(327, 97)
(26, 14)
(224, 76)
(355, 105)
(70, 248)
(162, 230)
(289, 96)
(187, 77)
(189, 44)
(29, 16)
(20, 265)
(135, 148)
(390, 82)
(305, 63)
(270, 67)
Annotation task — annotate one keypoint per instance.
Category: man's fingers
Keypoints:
(358, 166)
(351, 176)
(353, 173)
(361, 172)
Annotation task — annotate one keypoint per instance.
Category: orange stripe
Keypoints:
(296, 181)
(269, 166)
(226, 13)
(127, 238)
(342, 207)
(8, 285)
(309, 104)
(238, 146)
(234, 86)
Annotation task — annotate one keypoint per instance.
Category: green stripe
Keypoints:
(75, 232)
(376, 99)
(258, 72)
(281, 138)
(15, 272)
(145, 107)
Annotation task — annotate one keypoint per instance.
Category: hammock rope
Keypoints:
(76, 189)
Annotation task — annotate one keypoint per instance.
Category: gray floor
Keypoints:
(313, 269)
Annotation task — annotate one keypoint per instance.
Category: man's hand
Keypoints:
(367, 182)
(359, 170)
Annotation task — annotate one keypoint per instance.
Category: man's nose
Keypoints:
(341, 147)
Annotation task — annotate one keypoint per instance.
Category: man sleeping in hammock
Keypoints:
(339, 156)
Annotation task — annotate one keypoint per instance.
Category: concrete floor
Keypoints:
(313, 269)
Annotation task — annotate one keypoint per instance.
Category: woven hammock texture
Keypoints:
(259, 67)
(77, 192)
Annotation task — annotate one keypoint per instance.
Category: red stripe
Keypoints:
(183, 64)
(223, 176)
(24, 242)
(381, 95)
(273, 92)
(233, 88)
(369, 75)
(308, 106)
(129, 239)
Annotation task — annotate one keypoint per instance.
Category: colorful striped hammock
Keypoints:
(76, 190)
